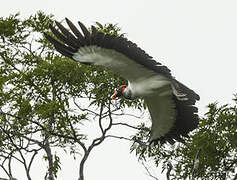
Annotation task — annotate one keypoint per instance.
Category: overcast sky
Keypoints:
(197, 40)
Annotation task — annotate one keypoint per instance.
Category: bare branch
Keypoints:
(148, 171)
(127, 114)
(96, 141)
(169, 170)
(88, 110)
(31, 160)
(2, 166)
(118, 137)
(125, 124)
(196, 164)
(76, 139)
(100, 118)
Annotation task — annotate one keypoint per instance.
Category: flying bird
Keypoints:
(171, 104)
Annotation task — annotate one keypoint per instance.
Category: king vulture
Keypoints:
(170, 103)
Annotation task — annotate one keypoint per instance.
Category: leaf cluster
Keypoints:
(44, 96)
(215, 138)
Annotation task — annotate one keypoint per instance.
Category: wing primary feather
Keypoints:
(75, 42)
(184, 114)
(76, 32)
(94, 30)
(99, 38)
(107, 43)
(184, 89)
(84, 30)
(62, 38)
(93, 35)
(119, 44)
(65, 50)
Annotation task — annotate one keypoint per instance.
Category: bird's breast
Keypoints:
(150, 86)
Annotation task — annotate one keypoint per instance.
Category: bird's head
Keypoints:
(122, 91)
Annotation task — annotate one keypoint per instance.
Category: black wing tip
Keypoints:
(198, 97)
(68, 21)
(122, 45)
(81, 24)
(58, 24)
(68, 43)
(45, 35)
(49, 38)
(85, 31)
(61, 48)
(94, 30)
(186, 121)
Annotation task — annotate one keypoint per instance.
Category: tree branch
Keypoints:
(118, 137)
(125, 124)
(196, 164)
(148, 171)
(169, 170)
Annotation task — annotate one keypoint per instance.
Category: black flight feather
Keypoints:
(119, 44)
(76, 32)
(186, 117)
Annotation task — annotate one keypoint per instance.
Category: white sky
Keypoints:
(197, 40)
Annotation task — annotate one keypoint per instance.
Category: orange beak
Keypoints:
(114, 95)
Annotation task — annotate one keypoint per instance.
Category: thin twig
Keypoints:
(100, 118)
(88, 110)
(125, 124)
(148, 171)
(118, 137)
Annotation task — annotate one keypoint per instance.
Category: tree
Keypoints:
(45, 98)
(209, 153)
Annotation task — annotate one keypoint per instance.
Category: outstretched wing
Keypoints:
(144, 74)
(116, 53)
(171, 118)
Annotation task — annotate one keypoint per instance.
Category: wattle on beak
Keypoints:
(114, 95)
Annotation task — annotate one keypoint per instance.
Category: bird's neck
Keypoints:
(127, 93)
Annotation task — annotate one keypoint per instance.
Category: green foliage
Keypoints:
(111, 29)
(216, 138)
(56, 165)
(39, 88)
